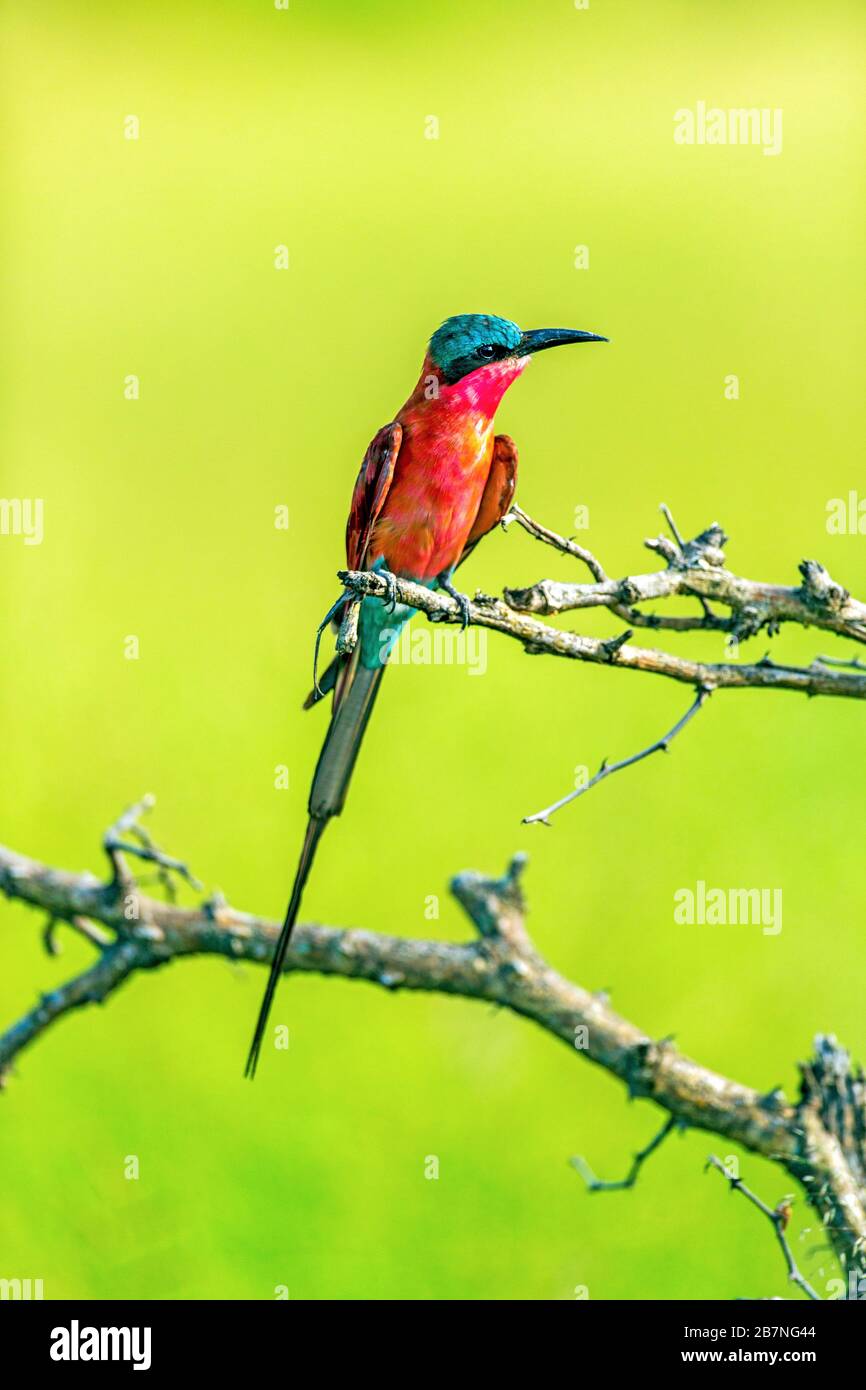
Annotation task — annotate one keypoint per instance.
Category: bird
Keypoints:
(432, 483)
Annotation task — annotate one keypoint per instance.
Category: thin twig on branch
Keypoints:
(594, 1184)
(778, 1218)
(607, 769)
(819, 1139)
(142, 847)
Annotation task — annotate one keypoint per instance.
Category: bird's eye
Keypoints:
(487, 350)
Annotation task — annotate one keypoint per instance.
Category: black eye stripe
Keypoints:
(458, 367)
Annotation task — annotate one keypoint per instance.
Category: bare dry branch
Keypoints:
(819, 1140)
(694, 569)
(540, 639)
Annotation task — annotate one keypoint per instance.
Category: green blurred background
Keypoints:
(262, 387)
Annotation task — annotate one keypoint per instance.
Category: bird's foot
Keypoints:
(390, 582)
(461, 600)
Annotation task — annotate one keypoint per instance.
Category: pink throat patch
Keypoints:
(477, 394)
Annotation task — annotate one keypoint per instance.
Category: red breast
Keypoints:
(441, 469)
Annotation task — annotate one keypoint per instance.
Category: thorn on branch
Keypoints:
(613, 644)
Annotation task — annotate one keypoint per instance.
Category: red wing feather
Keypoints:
(498, 491)
(371, 489)
(368, 498)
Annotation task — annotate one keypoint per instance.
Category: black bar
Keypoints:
(243, 1338)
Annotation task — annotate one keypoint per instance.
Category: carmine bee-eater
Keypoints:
(432, 483)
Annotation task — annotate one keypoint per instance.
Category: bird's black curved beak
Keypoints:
(537, 339)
